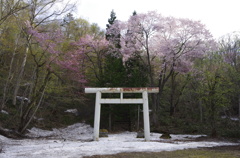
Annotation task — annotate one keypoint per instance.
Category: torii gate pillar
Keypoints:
(121, 100)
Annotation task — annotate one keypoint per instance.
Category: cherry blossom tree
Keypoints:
(179, 43)
(167, 46)
(89, 51)
(39, 13)
(93, 50)
(136, 35)
(48, 56)
(44, 53)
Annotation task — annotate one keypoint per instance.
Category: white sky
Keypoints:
(219, 16)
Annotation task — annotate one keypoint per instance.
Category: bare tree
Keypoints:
(9, 8)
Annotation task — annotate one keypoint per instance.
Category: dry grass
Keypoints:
(219, 152)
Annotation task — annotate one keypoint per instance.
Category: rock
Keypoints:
(140, 135)
(165, 136)
(103, 133)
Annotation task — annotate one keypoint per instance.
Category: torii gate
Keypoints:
(121, 100)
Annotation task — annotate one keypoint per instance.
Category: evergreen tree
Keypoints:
(111, 21)
(114, 69)
(134, 13)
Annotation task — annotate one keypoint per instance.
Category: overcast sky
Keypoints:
(219, 16)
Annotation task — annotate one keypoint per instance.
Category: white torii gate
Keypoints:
(121, 100)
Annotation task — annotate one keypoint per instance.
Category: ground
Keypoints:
(209, 152)
(75, 141)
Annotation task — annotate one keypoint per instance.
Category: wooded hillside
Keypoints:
(47, 57)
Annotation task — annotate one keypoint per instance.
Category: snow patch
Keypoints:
(74, 111)
(231, 118)
(3, 139)
(75, 142)
(4, 112)
(79, 131)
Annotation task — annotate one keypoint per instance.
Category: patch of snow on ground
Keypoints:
(4, 112)
(74, 142)
(74, 111)
(231, 118)
(78, 131)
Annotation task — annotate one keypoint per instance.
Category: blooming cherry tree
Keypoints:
(136, 37)
(167, 45)
(94, 50)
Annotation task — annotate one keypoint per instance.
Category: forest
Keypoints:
(48, 57)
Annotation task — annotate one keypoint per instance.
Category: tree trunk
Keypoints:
(22, 130)
(172, 108)
(154, 110)
(1, 9)
(239, 109)
(20, 75)
(213, 118)
(30, 111)
(110, 118)
(201, 111)
(9, 78)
